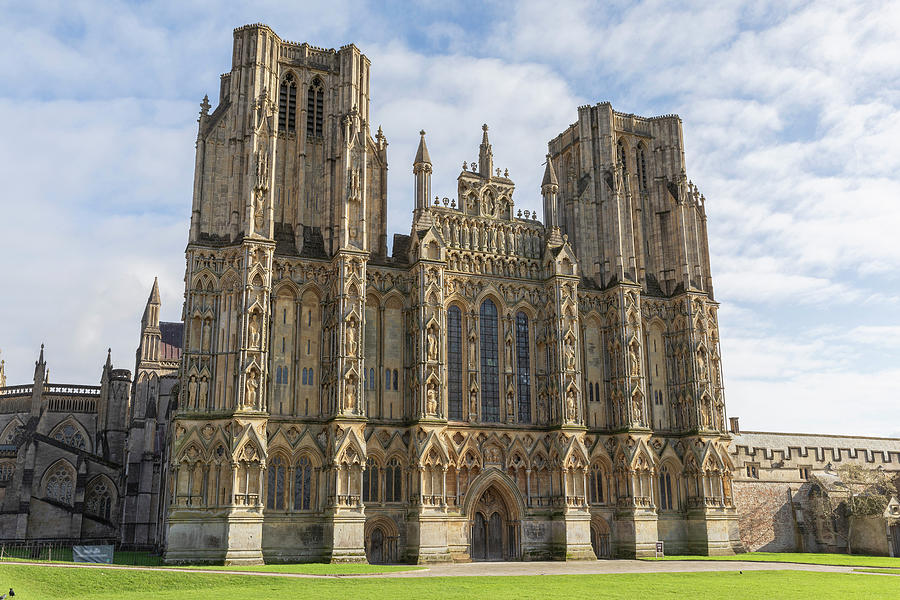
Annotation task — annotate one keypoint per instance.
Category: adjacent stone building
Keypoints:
(61, 450)
(83, 463)
(778, 477)
(496, 388)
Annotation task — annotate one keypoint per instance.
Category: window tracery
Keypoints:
(454, 366)
(287, 104)
(490, 371)
(70, 436)
(523, 367)
(98, 500)
(60, 485)
(315, 108)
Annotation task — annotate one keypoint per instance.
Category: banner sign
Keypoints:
(93, 554)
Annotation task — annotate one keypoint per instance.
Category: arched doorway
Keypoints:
(381, 542)
(495, 528)
(600, 538)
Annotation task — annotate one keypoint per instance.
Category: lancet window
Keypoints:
(370, 481)
(490, 371)
(275, 493)
(641, 167)
(523, 368)
(315, 108)
(303, 484)
(393, 481)
(287, 104)
(454, 366)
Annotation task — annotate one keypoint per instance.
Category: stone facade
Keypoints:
(82, 463)
(61, 448)
(775, 476)
(496, 388)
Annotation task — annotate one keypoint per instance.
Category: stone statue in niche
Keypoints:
(432, 340)
(570, 352)
(252, 384)
(192, 392)
(701, 366)
(571, 405)
(635, 360)
(350, 394)
(351, 337)
(254, 331)
(509, 356)
(638, 408)
(542, 408)
(205, 336)
(262, 169)
(473, 403)
(510, 405)
(204, 389)
(431, 403)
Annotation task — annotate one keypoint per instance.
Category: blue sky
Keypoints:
(790, 114)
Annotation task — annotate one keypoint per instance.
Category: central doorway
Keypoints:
(495, 531)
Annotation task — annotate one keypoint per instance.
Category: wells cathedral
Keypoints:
(497, 388)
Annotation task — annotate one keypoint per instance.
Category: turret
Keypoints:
(422, 171)
(485, 156)
(2, 373)
(549, 189)
(40, 378)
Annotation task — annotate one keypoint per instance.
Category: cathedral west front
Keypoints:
(496, 388)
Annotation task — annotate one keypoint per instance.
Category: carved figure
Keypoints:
(252, 384)
(571, 405)
(638, 408)
(634, 357)
(570, 352)
(350, 394)
(432, 340)
(431, 404)
(254, 332)
(510, 405)
(473, 403)
(351, 337)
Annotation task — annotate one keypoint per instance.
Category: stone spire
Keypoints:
(2, 373)
(485, 156)
(150, 333)
(422, 171)
(40, 367)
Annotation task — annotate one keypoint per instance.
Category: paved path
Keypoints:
(518, 568)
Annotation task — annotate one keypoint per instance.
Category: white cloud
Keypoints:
(790, 110)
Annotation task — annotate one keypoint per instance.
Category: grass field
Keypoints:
(300, 568)
(50, 582)
(844, 560)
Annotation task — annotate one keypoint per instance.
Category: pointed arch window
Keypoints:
(490, 372)
(98, 500)
(597, 481)
(454, 366)
(523, 367)
(61, 485)
(303, 482)
(393, 481)
(666, 500)
(641, 166)
(287, 104)
(70, 436)
(370, 481)
(315, 108)
(275, 493)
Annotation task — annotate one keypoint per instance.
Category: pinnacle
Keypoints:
(422, 156)
(154, 292)
(549, 174)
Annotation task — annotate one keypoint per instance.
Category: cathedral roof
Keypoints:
(172, 336)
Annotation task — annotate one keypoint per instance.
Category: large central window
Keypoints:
(490, 372)
(523, 368)
(454, 366)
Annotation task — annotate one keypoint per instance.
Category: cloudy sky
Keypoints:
(791, 117)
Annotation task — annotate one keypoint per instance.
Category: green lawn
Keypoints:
(844, 560)
(50, 582)
(312, 568)
(301, 568)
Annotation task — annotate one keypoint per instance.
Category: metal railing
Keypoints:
(49, 551)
